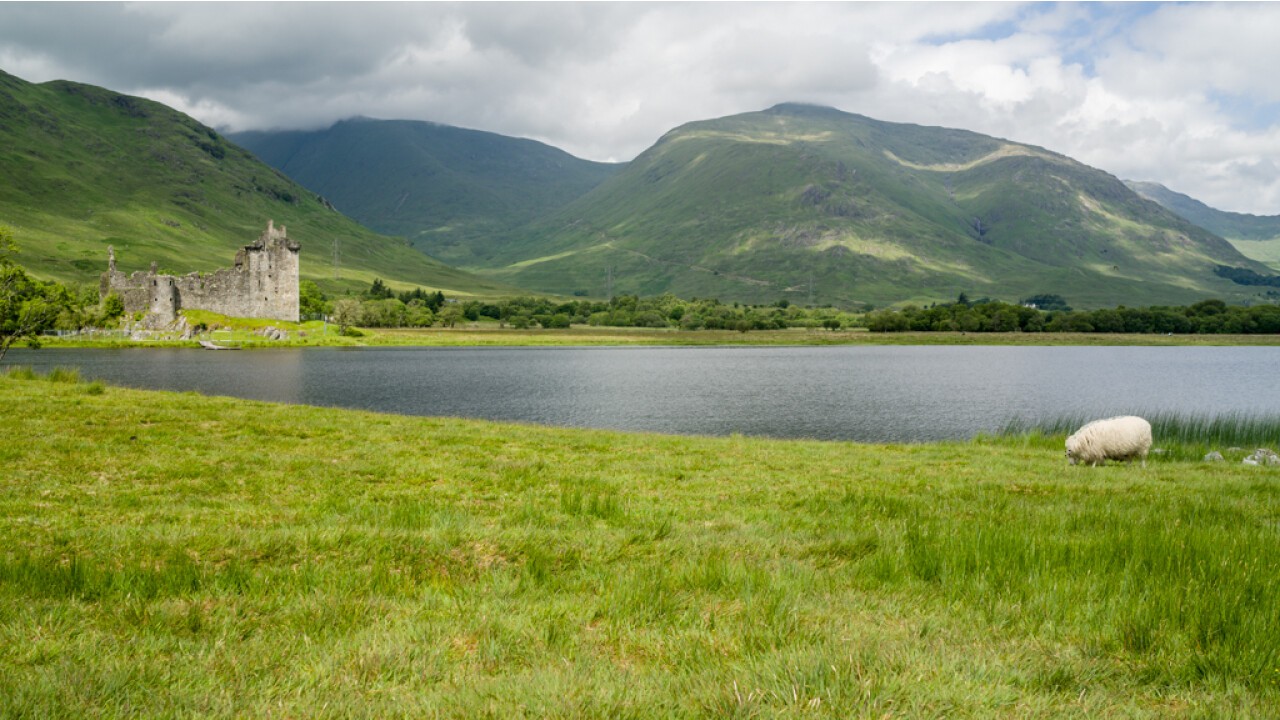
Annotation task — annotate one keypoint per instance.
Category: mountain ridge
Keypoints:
(438, 185)
(1255, 236)
(87, 167)
(800, 201)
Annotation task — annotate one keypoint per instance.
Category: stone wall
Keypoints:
(263, 283)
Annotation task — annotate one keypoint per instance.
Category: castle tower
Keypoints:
(272, 266)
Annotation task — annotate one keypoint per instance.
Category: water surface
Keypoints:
(864, 393)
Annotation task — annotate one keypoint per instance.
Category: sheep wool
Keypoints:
(1117, 438)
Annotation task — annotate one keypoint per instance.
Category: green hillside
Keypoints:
(445, 188)
(83, 168)
(800, 202)
(1255, 236)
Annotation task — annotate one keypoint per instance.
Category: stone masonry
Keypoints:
(263, 283)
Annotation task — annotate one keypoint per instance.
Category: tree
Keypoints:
(378, 291)
(1004, 320)
(417, 314)
(692, 321)
(1046, 301)
(388, 312)
(346, 313)
(450, 315)
(558, 320)
(648, 319)
(25, 312)
(310, 300)
(112, 307)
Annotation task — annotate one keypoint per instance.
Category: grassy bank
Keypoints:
(175, 554)
(318, 334)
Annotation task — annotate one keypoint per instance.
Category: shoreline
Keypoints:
(621, 337)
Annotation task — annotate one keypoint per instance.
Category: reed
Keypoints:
(64, 375)
(1176, 436)
(21, 372)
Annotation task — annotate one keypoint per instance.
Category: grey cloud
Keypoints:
(538, 35)
(1256, 171)
(605, 80)
(213, 48)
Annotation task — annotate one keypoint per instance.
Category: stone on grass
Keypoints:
(1262, 456)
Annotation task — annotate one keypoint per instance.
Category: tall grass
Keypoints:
(64, 375)
(1177, 436)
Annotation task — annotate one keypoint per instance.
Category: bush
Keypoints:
(559, 320)
(692, 321)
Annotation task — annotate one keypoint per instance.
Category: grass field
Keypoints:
(175, 555)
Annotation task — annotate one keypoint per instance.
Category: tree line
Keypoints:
(1204, 317)
(379, 306)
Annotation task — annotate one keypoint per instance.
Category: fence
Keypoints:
(91, 333)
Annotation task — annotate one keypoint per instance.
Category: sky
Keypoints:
(1187, 95)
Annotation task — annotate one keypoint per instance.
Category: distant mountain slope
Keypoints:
(440, 186)
(800, 202)
(1256, 236)
(83, 168)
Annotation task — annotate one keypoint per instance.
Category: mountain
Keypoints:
(445, 188)
(84, 168)
(805, 203)
(1255, 236)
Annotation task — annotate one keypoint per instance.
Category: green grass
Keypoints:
(171, 554)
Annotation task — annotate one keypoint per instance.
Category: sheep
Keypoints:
(1117, 438)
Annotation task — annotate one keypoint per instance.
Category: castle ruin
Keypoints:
(263, 283)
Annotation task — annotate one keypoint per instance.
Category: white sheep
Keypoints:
(1117, 438)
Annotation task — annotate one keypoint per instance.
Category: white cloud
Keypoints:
(1181, 94)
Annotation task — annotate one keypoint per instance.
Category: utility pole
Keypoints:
(335, 257)
(609, 283)
(810, 288)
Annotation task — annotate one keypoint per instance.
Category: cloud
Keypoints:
(1180, 94)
